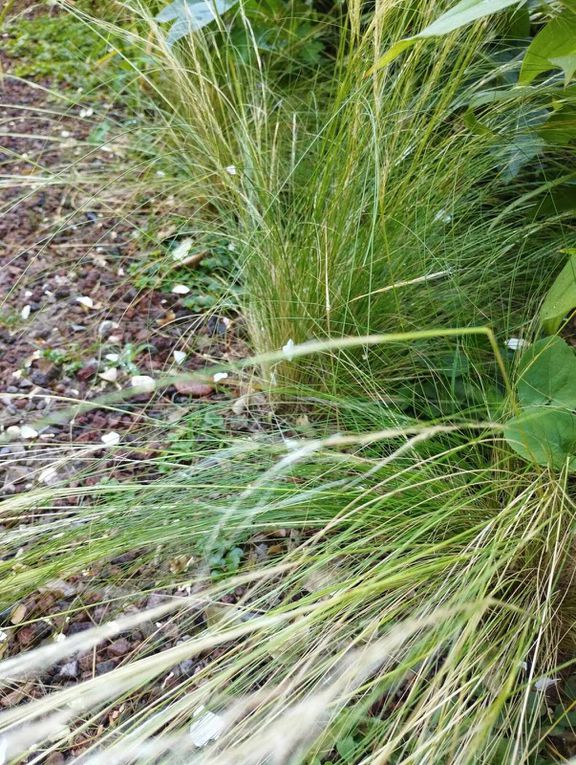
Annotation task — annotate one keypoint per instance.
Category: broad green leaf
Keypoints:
(567, 64)
(545, 436)
(547, 374)
(496, 96)
(517, 24)
(561, 297)
(554, 47)
(518, 152)
(560, 200)
(560, 128)
(462, 14)
(191, 15)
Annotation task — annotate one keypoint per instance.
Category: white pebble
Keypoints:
(180, 289)
(220, 376)
(109, 375)
(110, 439)
(48, 476)
(144, 382)
(207, 728)
(179, 356)
(25, 312)
(28, 432)
(86, 301)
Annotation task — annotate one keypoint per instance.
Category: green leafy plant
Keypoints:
(460, 15)
(190, 15)
(560, 300)
(277, 28)
(545, 430)
(554, 47)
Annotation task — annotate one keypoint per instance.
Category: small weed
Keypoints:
(225, 558)
(211, 280)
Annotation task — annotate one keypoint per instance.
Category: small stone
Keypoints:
(48, 476)
(105, 666)
(158, 599)
(69, 671)
(11, 699)
(88, 371)
(187, 667)
(27, 635)
(55, 758)
(106, 327)
(179, 357)
(119, 647)
(194, 389)
(28, 432)
(180, 289)
(77, 627)
(109, 375)
(111, 439)
(144, 383)
(18, 614)
(85, 301)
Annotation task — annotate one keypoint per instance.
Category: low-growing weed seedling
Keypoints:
(212, 280)
(199, 431)
(544, 431)
(68, 360)
(128, 355)
(224, 558)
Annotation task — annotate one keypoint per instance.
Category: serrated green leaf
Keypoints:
(561, 297)
(545, 436)
(554, 47)
(547, 374)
